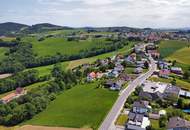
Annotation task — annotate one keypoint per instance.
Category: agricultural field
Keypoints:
(181, 56)
(68, 110)
(169, 47)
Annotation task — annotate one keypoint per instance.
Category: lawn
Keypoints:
(155, 125)
(121, 120)
(82, 106)
(3, 50)
(169, 47)
(181, 56)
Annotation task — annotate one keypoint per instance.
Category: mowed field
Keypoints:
(52, 46)
(84, 106)
(181, 56)
(169, 47)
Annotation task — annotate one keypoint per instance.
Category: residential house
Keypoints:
(137, 122)
(114, 85)
(139, 48)
(125, 77)
(176, 70)
(131, 58)
(119, 68)
(177, 123)
(157, 90)
(154, 53)
(150, 46)
(140, 64)
(18, 92)
(141, 107)
(163, 65)
(171, 91)
(113, 73)
(164, 73)
(91, 76)
(138, 70)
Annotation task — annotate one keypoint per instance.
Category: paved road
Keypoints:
(108, 123)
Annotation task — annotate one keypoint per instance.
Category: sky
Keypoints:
(98, 13)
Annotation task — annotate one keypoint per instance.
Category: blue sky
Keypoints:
(77, 13)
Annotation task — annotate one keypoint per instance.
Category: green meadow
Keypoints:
(82, 106)
(3, 50)
(169, 47)
(52, 46)
(181, 56)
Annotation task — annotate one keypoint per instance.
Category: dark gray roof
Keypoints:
(172, 90)
(142, 104)
(135, 117)
(177, 122)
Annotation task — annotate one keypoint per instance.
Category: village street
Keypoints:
(108, 123)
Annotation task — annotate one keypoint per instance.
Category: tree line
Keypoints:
(25, 107)
(22, 56)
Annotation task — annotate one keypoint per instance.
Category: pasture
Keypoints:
(181, 56)
(52, 46)
(169, 47)
(83, 106)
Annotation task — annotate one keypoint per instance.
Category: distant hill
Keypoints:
(11, 28)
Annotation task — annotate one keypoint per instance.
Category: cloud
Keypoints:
(136, 13)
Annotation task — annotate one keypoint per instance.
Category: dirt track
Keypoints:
(31, 127)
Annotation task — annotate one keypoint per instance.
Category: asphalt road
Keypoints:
(108, 123)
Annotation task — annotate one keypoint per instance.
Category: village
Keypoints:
(153, 101)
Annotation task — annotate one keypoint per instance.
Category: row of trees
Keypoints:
(22, 56)
(36, 101)
(20, 79)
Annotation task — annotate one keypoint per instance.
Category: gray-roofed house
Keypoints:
(137, 122)
(177, 123)
(141, 107)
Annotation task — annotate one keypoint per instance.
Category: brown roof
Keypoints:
(177, 122)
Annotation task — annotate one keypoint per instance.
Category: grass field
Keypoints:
(3, 50)
(169, 47)
(52, 46)
(46, 70)
(181, 56)
(82, 106)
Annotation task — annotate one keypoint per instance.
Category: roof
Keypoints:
(177, 122)
(92, 74)
(176, 69)
(164, 72)
(172, 89)
(142, 104)
(135, 117)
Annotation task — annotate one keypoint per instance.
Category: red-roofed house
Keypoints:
(19, 92)
(164, 73)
